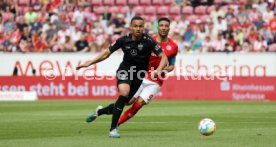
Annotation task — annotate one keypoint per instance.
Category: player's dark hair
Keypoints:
(136, 18)
(164, 19)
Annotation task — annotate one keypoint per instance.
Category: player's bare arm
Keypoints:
(169, 68)
(104, 55)
(162, 65)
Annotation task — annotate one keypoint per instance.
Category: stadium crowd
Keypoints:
(73, 26)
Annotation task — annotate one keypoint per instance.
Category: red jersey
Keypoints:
(170, 48)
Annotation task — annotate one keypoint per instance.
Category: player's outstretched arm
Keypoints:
(102, 56)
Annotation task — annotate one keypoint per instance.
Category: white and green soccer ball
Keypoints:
(206, 126)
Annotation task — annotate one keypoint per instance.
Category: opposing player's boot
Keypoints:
(93, 116)
(114, 133)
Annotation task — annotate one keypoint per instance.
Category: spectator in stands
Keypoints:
(36, 26)
(21, 24)
(106, 16)
(78, 17)
(220, 25)
(68, 46)
(219, 43)
(81, 45)
(130, 14)
(215, 14)
(3, 5)
(119, 22)
(2, 29)
(9, 25)
(30, 16)
(207, 45)
(189, 34)
(13, 8)
(267, 15)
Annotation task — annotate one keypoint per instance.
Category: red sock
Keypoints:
(130, 113)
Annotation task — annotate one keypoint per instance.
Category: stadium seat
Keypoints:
(124, 9)
(24, 2)
(152, 18)
(157, 2)
(272, 47)
(108, 2)
(96, 2)
(200, 10)
(114, 9)
(150, 10)
(211, 9)
(192, 18)
(187, 10)
(205, 18)
(121, 2)
(133, 2)
(139, 10)
(145, 2)
(99, 10)
(162, 10)
(175, 10)
(168, 2)
(217, 1)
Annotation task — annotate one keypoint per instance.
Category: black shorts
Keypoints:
(124, 76)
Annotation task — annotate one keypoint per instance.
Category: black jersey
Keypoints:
(136, 53)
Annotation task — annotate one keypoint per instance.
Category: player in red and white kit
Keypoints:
(149, 87)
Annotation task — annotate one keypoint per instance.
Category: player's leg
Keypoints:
(109, 109)
(149, 90)
(119, 105)
(129, 113)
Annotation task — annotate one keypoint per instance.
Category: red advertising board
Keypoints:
(175, 88)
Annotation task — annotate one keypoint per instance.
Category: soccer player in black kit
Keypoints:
(137, 48)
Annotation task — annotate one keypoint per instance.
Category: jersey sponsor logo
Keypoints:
(140, 47)
(168, 47)
(127, 47)
(133, 52)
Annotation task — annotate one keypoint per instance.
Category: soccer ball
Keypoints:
(206, 126)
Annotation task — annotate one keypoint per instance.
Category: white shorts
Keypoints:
(147, 91)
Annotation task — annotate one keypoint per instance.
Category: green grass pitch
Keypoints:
(162, 123)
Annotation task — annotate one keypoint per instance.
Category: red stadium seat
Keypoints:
(211, 9)
(200, 10)
(124, 9)
(108, 2)
(24, 2)
(218, 1)
(150, 10)
(96, 2)
(192, 18)
(175, 10)
(133, 2)
(157, 2)
(162, 10)
(114, 9)
(139, 10)
(121, 2)
(152, 18)
(145, 2)
(188, 10)
(99, 10)
(205, 18)
(168, 2)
